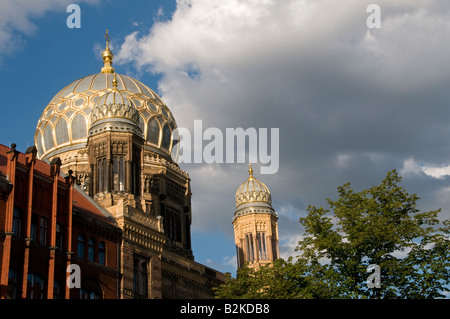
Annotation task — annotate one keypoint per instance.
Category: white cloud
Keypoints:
(411, 167)
(437, 172)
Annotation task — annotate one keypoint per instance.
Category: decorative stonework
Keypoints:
(253, 196)
(151, 158)
(110, 111)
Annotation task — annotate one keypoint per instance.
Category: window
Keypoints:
(274, 250)
(78, 127)
(90, 289)
(57, 292)
(166, 137)
(153, 131)
(102, 175)
(43, 231)
(144, 279)
(91, 250)
(35, 288)
(86, 294)
(140, 277)
(148, 207)
(102, 254)
(48, 137)
(17, 222)
(59, 237)
(118, 173)
(172, 226)
(135, 178)
(261, 239)
(12, 284)
(62, 134)
(250, 248)
(80, 248)
(33, 228)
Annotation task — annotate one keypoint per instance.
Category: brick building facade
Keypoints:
(46, 224)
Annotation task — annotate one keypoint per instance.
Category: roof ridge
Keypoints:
(102, 210)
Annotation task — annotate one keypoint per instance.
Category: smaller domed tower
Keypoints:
(255, 224)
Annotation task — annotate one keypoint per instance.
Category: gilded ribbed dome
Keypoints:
(64, 123)
(252, 190)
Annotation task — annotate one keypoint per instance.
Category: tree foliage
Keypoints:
(380, 225)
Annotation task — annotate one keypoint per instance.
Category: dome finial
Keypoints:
(250, 170)
(114, 82)
(107, 56)
(107, 38)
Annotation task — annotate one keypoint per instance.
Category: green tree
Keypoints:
(282, 280)
(381, 226)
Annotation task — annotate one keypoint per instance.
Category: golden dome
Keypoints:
(252, 190)
(64, 123)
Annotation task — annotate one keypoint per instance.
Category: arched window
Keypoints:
(91, 250)
(153, 131)
(118, 173)
(78, 127)
(261, 239)
(140, 277)
(102, 175)
(62, 134)
(250, 247)
(80, 246)
(48, 137)
(102, 254)
(166, 137)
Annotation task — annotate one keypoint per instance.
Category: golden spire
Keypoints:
(250, 170)
(107, 56)
(114, 82)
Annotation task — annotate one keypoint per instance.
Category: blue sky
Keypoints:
(350, 102)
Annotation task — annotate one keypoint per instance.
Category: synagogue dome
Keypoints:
(64, 124)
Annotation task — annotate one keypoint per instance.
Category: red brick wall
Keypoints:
(97, 228)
